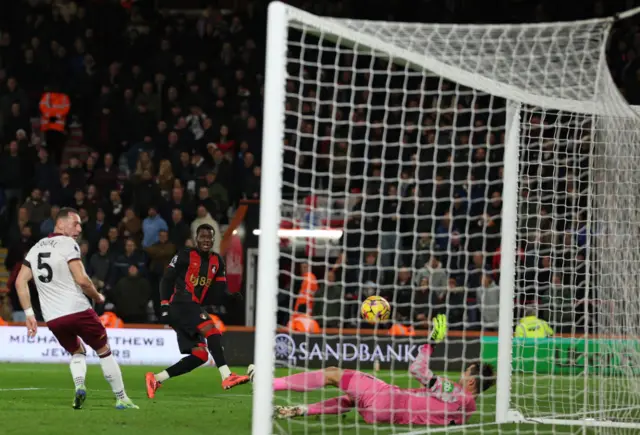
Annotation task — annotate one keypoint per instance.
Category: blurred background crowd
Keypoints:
(147, 117)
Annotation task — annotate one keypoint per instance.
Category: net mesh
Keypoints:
(394, 149)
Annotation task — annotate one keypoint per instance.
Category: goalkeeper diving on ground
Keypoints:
(438, 402)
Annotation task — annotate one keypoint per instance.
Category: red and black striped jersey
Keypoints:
(191, 275)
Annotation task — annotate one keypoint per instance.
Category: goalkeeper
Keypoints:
(438, 402)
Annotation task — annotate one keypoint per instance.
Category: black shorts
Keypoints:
(185, 318)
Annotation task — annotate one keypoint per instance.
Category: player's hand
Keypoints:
(439, 329)
(164, 314)
(32, 326)
(99, 299)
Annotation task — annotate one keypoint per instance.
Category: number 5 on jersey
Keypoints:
(46, 274)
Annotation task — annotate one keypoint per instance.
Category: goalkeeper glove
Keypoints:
(164, 313)
(439, 329)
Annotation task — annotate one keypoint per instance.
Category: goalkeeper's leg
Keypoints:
(369, 393)
(309, 381)
(337, 405)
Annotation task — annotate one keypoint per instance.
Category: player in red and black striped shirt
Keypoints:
(192, 277)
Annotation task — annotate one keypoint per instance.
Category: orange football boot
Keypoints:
(152, 385)
(234, 380)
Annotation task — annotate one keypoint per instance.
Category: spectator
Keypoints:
(131, 296)
(165, 177)
(47, 226)
(421, 307)
(388, 238)
(13, 94)
(146, 192)
(489, 298)
(38, 210)
(106, 177)
(400, 295)
(328, 301)
(434, 271)
(178, 201)
(179, 232)
(130, 225)
(218, 194)
(160, 254)
(100, 265)
(252, 185)
(115, 208)
(45, 171)
(18, 226)
(77, 178)
(302, 321)
(84, 254)
(151, 227)
(19, 247)
(96, 229)
(11, 174)
(560, 303)
(530, 326)
(63, 193)
(455, 302)
(130, 257)
(308, 288)
(199, 166)
(116, 246)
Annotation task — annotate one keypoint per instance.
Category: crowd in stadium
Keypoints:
(161, 131)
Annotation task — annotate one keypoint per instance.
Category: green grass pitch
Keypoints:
(35, 399)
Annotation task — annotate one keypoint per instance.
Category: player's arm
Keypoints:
(220, 281)
(22, 288)
(168, 281)
(84, 282)
(419, 369)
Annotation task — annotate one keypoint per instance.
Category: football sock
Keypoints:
(185, 365)
(225, 372)
(78, 368)
(214, 343)
(113, 375)
(162, 376)
(336, 405)
(307, 381)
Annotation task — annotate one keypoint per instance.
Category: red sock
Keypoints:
(337, 405)
(307, 381)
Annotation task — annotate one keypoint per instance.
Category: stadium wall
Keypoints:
(159, 347)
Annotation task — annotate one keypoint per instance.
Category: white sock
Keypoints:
(162, 376)
(113, 375)
(224, 372)
(78, 368)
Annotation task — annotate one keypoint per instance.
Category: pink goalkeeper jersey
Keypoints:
(442, 403)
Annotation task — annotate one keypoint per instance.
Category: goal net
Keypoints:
(483, 172)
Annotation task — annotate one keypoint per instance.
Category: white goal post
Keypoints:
(530, 156)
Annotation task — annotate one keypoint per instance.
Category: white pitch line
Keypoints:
(21, 389)
(109, 391)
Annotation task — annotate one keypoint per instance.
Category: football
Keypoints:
(375, 309)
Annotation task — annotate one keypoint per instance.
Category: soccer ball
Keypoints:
(375, 309)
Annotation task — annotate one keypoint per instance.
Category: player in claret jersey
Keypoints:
(55, 265)
(438, 402)
(192, 276)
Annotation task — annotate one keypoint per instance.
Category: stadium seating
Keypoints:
(164, 130)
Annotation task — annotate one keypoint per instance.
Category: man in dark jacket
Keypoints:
(131, 296)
